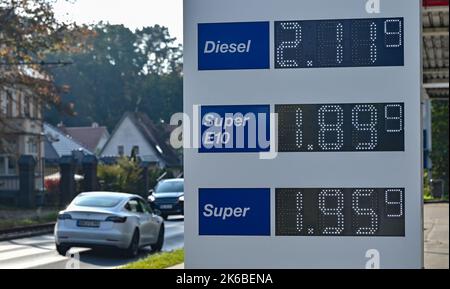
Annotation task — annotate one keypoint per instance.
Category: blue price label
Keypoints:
(235, 129)
(225, 46)
(234, 212)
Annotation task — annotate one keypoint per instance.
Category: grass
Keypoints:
(10, 224)
(431, 199)
(158, 261)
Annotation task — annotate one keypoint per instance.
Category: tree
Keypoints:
(156, 47)
(29, 31)
(99, 78)
(440, 130)
(124, 71)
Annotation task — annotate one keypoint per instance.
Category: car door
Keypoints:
(146, 224)
(155, 222)
(135, 207)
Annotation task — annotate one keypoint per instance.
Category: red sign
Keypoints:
(428, 3)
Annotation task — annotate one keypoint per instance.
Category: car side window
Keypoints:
(145, 207)
(134, 206)
(139, 207)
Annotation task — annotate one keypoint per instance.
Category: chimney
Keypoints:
(95, 125)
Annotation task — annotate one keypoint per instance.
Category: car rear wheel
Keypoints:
(62, 250)
(160, 242)
(133, 249)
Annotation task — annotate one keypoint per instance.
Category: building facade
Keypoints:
(136, 133)
(21, 133)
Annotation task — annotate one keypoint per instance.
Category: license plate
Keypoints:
(166, 206)
(88, 224)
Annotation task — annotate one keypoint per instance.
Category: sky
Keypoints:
(132, 13)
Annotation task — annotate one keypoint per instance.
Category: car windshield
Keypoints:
(170, 187)
(98, 201)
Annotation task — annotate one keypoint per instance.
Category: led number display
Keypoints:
(339, 43)
(341, 127)
(340, 212)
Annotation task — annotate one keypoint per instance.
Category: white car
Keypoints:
(106, 219)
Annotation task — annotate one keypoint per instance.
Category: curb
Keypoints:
(436, 202)
(177, 267)
(26, 232)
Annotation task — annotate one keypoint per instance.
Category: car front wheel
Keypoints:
(160, 242)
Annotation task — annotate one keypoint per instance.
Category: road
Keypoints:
(436, 236)
(39, 252)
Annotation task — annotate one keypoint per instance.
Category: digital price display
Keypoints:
(341, 127)
(339, 43)
(340, 212)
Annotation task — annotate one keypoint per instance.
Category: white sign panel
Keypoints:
(305, 134)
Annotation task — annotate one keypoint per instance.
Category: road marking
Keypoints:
(27, 251)
(17, 246)
(37, 258)
(39, 251)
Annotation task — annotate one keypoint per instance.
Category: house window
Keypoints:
(21, 109)
(32, 146)
(27, 106)
(12, 166)
(2, 102)
(36, 108)
(9, 104)
(120, 150)
(8, 166)
(2, 166)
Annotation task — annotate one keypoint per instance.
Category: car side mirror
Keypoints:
(151, 192)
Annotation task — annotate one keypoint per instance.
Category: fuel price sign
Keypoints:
(308, 150)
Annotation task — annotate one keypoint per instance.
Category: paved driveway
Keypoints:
(436, 236)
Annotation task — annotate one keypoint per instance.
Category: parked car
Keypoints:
(168, 197)
(107, 219)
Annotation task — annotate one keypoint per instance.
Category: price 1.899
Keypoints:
(341, 127)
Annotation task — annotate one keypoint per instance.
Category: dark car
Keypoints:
(168, 197)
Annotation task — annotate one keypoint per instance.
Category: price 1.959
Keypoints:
(340, 212)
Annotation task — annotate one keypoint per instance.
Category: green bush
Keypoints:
(426, 187)
(126, 177)
(439, 153)
(11, 223)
